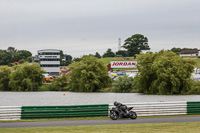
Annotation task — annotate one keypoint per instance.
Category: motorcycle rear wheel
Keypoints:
(114, 116)
(132, 115)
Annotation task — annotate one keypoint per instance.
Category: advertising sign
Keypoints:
(123, 64)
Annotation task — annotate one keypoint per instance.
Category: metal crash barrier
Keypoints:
(98, 110)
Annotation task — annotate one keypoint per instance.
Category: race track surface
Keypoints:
(98, 122)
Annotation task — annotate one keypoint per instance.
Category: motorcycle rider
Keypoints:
(122, 108)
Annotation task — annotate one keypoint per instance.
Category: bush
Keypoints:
(60, 84)
(26, 77)
(5, 73)
(198, 56)
(123, 84)
(195, 88)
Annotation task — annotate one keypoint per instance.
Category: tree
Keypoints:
(66, 60)
(122, 53)
(68, 57)
(5, 73)
(88, 75)
(109, 53)
(77, 59)
(12, 51)
(26, 77)
(21, 54)
(5, 57)
(97, 55)
(178, 50)
(164, 73)
(135, 44)
(61, 55)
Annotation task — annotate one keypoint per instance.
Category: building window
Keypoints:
(47, 53)
(49, 65)
(50, 59)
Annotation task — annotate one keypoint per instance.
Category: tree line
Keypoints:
(11, 55)
(159, 73)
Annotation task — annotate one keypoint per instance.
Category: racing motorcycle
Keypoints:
(116, 113)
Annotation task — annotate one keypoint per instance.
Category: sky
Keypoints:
(82, 27)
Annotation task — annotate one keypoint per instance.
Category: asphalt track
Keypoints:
(98, 122)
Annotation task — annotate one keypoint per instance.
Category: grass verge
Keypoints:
(94, 118)
(185, 127)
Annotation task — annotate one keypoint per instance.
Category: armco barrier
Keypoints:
(75, 111)
(49, 112)
(159, 108)
(193, 107)
(10, 112)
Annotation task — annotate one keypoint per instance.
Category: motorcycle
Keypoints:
(116, 113)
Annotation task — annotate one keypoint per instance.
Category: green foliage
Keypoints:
(88, 75)
(195, 87)
(119, 55)
(65, 60)
(135, 44)
(11, 51)
(164, 73)
(178, 50)
(77, 59)
(123, 84)
(5, 72)
(21, 54)
(5, 57)
(122, 53)
(109, 53)
(97, 55)
(59, 84)
(26, 77)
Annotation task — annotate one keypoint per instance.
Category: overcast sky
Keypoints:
(81, 27)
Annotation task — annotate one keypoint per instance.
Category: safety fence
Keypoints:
(74, 111)
(98, 110)
(10, 112)
(159, 108)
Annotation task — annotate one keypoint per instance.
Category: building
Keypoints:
(49, 59)
(190, 53)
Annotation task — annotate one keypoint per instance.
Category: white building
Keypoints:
(49, 59)
(190, 53)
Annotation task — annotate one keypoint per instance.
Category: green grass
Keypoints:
(198, 62)
(94, 118)
(107, 60)
(185, 127)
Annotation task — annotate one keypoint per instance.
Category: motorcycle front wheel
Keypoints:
(132, 115)
(114, 116)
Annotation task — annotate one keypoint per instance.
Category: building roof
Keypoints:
(50, 50)
(189, 51)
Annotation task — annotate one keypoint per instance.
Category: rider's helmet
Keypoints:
(115, 103)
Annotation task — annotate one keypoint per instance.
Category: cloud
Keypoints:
(75, 25)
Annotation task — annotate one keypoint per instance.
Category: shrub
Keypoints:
(195, 88)
(26, 77)
(5, 73)
(60, 84)
(123, 84)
